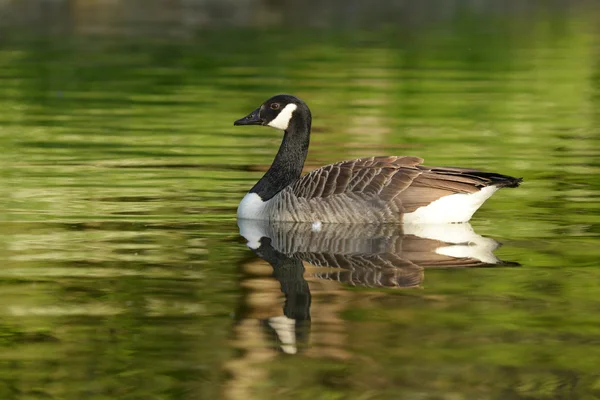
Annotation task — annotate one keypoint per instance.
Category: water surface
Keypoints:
(124, 274)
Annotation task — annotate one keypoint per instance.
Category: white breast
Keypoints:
(252, 207)
(458, 207)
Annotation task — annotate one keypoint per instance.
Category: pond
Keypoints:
(124, 273)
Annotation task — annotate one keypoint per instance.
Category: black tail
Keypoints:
(499, 180)
(484, 178)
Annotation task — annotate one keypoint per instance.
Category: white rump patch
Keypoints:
(458, 207)
(447, 233)
(251, 207)
(283, 119)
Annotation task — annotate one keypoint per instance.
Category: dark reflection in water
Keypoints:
(377, 256)
(121, 267)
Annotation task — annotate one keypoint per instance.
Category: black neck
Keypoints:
(289, 161)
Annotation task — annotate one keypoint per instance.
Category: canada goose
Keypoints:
(367, 190)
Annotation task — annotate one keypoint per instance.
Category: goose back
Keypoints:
(381, 189)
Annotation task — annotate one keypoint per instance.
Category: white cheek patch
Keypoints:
(283, 119)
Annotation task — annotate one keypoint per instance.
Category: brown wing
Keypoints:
(384, 176)
(399, 179)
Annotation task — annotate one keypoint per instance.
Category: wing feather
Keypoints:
(330, 183)
(402, 180)
(366, 176)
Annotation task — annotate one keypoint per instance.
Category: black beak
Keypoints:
(250, 119)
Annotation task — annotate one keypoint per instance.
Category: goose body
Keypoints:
(393, 189)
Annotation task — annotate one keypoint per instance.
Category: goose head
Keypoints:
(277, 112)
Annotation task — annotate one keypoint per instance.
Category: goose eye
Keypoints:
(274, 106)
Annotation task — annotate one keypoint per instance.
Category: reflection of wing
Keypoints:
(373, 255)
(373, 270)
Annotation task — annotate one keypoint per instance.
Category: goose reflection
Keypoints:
(386, 256)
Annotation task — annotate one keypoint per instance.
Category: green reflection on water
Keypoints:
(121, 172)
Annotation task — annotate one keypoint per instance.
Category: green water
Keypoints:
(123, 274)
